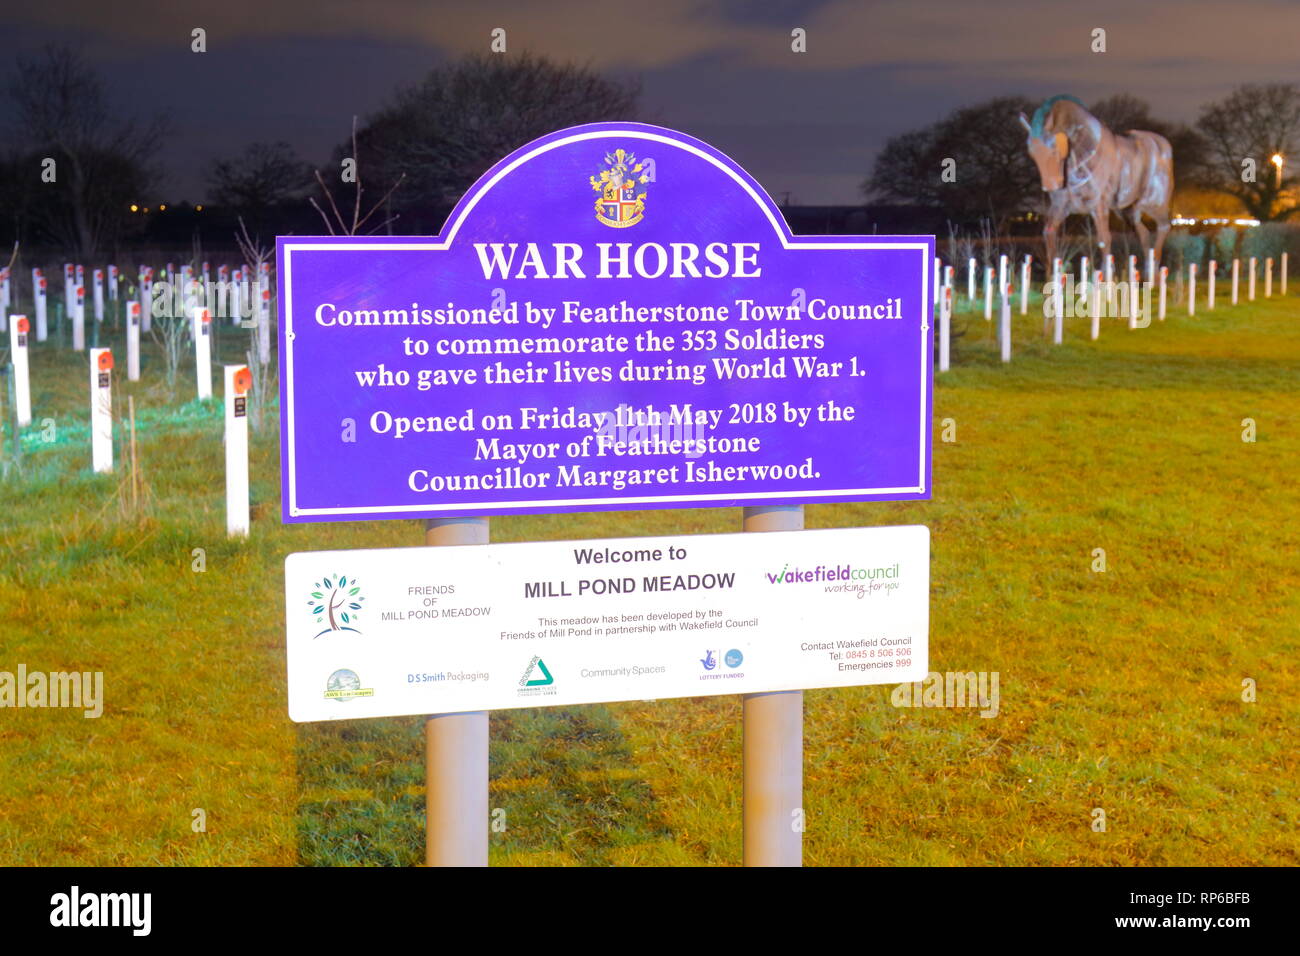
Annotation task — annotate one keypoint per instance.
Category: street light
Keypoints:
(1277, 161)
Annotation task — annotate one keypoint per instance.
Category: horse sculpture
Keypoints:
(1085, 168)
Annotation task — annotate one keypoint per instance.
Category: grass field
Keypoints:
(1120, 690)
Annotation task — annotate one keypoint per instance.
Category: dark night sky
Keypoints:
(722, 71)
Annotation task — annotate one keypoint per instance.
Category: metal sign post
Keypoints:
(773, 747)
(456, 751)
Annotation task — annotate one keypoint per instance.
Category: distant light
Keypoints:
(1247, 222)
(162, 208)
(146, 208)
(1277, 160)
(198, 208)
(134, 207)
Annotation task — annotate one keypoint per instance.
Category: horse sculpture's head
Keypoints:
(1047, 146)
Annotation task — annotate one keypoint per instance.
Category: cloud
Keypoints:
(723, 70)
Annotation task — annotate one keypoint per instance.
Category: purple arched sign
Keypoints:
(616, 316)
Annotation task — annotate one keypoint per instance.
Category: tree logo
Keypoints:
(337, 600)
(620, 205)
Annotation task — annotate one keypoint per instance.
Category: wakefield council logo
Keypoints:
(620, 205)
(338, 600)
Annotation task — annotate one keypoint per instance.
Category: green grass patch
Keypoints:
(1119, 690)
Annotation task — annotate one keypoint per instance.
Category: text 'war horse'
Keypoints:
(1086, 168)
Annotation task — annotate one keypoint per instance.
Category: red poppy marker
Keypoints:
(18, 356)
(101, 409)
(239, 382)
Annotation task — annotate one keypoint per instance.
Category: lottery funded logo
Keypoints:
(620, 205)
(721, 666)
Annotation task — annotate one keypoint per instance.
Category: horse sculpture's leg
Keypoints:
(1051, 229)
(1144, 234)
(1161, 216)
(1101, 222)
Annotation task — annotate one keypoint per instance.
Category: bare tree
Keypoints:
(981, 147)
(100, 165)
(1243, 132)
(443, 133)
(352, 227)
(258, 352)
(265, 174)
(170, 332)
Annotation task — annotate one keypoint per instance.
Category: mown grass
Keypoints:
(1120, 690)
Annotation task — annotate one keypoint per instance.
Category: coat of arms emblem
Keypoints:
(620, 205)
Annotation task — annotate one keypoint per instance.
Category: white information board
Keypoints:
(428, 630)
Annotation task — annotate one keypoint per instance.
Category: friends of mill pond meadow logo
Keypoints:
(620, 205)
(336, 600)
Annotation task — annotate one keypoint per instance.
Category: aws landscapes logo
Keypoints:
(344, 684)
(338, 601)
